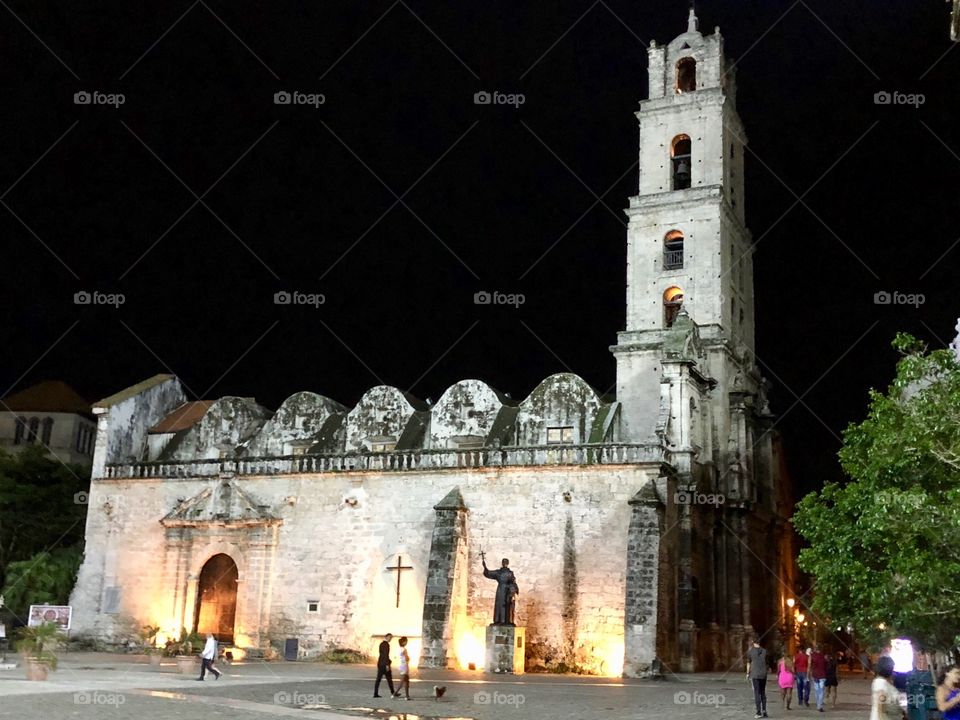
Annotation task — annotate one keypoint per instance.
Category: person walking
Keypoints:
(948, 693)
(785, 679)
(818, 675)
(801, 665)
(208, 656)
(865, 663)
(884, 697)
(757, 675)
(383, 666)
(832, 680)
(404, 669)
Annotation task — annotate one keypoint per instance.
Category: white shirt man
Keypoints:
(208, 656)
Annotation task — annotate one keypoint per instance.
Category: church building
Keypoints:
(647, 531)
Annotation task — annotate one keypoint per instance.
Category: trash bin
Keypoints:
(921, 696)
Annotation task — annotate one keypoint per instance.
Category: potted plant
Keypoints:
(185, 650)
(37, 644)
(148, 639)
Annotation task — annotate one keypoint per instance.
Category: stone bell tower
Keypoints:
(688, 250)
(686, 375)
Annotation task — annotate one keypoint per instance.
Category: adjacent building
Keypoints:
(51, 414)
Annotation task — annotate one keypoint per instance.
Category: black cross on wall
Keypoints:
(399, 567)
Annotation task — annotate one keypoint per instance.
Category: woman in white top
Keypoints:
(404, 669)
(885, 698)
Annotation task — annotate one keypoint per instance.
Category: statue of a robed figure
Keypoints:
(507, 590)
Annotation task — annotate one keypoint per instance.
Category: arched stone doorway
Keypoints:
(217, 598)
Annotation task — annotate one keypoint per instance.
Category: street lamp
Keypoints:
(791, 602)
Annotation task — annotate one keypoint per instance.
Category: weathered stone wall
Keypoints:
(382, 412)
(298, 420)
(561, 400)
(339, 534)
(229, 422)
(467, 409)
(124, 419)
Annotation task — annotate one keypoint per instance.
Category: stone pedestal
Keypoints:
(688, 646)
(506, 649)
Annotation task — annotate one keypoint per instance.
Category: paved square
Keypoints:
(125, 686)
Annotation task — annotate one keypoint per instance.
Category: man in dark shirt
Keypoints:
(818, 675)
(383, 666)
(757, 675)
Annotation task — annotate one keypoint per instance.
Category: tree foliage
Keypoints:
(883, 547)
(44, 579)
(42, 505)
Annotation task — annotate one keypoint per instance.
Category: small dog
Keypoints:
(438, 691)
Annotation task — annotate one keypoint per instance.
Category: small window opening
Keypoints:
(672, 302)
(680, 158)
(673, 250)
(686, 75)
(383, 443)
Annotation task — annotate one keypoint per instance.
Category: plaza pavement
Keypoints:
(94, 685)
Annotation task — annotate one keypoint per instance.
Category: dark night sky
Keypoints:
(96, 212)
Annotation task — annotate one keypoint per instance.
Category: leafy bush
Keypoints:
(44, 579)
(343, 656)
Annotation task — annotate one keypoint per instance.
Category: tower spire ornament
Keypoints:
(693, 24)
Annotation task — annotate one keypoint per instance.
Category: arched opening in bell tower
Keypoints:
(680, 158)
(672, 302)
(686, 75)
(673, 250)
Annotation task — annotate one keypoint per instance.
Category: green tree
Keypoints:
(42, 505)
(44, 579)
(883, 547)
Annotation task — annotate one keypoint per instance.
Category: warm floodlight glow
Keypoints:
(791, 602)
(901, 650)
(470, 650)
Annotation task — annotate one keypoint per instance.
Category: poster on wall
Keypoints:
(59, 614)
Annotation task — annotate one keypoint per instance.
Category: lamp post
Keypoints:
(791, 627)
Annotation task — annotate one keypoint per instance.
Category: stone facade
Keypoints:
(646, 532)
